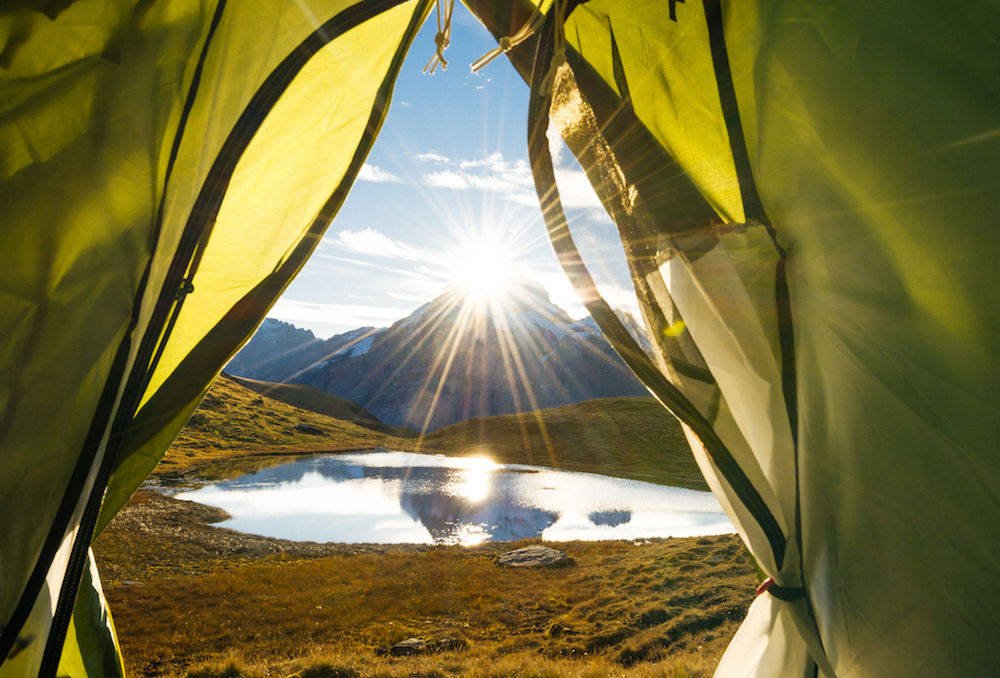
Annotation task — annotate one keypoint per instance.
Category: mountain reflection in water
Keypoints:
(400, 497)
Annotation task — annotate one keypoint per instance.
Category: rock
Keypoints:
(535, 555)
(409, 646)
(311, 430)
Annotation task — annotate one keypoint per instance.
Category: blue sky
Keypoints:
(449, 172)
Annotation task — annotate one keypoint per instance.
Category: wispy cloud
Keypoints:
(348, 315)
(374, 243)
(377, 175)
(511, 179)
(431, 157)
(491, 173)
(447, 179)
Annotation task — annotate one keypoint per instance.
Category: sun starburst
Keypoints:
(483, 268)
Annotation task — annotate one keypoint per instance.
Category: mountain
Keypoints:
(453, 359)
(279, 350)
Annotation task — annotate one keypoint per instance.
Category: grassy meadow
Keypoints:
(193, 600)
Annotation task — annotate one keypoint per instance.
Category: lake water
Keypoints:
(399, 497)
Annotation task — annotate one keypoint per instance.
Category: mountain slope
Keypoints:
(451, 360)
(234, 421)
(279, 350)
(312, 399)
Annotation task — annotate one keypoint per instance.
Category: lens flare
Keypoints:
(484, 271)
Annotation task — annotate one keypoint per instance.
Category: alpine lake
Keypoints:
(385, 497)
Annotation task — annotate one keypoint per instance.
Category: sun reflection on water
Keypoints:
(470, 535)
(473, 482)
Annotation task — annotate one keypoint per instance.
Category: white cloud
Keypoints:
(347, 315)
(447, 179)
(575, 190)
(376, 174)
(372, 242)
(557, 146)
(511, 179)
(431, 157)
(491, 173)
(563, 295)
(492, 160)
(561, 291)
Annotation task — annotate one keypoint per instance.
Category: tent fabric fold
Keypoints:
(195, 298)
(806, 194)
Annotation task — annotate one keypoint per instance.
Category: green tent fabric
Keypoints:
(806, 194)
(154, 207)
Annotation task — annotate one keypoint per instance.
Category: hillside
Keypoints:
(234, 421)
(312, 399)
(623, 437)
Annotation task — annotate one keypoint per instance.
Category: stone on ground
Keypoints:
(408, 647)
(535, 555)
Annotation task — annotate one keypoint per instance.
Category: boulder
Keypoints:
(535, 555)
(410, 646)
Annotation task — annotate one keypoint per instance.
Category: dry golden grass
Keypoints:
(233, 421)
(623, 608)
(331, 663)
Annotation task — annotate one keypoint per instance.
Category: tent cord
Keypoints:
(443, 37)
(507, 43)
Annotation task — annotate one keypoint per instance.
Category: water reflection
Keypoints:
(398, 497)
(610, 518)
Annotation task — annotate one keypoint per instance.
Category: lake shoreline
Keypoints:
(385, 496)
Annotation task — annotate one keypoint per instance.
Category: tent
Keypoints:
(806, 192)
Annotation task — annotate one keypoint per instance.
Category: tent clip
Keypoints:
(186, 288)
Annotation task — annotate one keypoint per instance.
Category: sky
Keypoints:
(446, 188)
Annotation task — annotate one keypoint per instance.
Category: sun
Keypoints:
(484, 270)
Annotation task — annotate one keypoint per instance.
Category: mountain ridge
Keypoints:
(452, 359)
